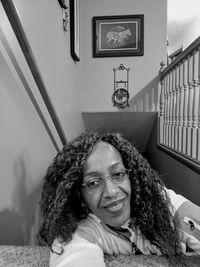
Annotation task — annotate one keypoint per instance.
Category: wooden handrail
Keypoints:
(183, 55)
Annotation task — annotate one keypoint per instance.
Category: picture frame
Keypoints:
(74, 29)
(118, 36)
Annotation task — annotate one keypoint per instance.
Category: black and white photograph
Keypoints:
(99, 133)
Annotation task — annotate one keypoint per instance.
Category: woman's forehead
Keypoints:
(102, 155)
(103, 148)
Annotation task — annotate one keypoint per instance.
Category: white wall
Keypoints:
(183, 23)
(42, 22)
(189, 33)
(25, 153)
(96, 75)
(25, 147)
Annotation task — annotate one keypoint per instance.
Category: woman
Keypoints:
(101, 196)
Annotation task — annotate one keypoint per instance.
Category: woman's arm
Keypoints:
(78, 252)
(188, 216)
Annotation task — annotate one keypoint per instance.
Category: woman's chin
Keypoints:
(119, 215)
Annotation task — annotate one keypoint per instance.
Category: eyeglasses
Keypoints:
(98, 183)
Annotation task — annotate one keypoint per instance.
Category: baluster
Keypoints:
(170, 110)
(141, 105)
(146, 103)
(190, 105)
(198, 130)
(181, 104)
(167, 108)
(176, 109)
(161, 117)
(173, 108)
(152, 100)
(185, 107)
(165, 111)
(138, 105)
(156, 96)
(195, 103)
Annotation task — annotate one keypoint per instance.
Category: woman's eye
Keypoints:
(93, 183)
(119, 174)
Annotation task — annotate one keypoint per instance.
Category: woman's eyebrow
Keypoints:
(117, 164)
(92, 173)
(97, 173)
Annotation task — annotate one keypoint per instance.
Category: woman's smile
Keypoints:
(115, 206)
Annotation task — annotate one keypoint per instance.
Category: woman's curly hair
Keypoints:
(62, 204)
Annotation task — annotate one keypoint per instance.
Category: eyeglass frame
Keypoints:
(103, 181)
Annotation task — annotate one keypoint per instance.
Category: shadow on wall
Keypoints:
(11, 230)
(19, 224)
(147, 99)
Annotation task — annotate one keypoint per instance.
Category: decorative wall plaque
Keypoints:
(120, 96)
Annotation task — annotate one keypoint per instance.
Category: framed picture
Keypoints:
(118, 36)
(74, 29)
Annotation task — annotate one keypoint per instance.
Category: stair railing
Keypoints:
(179, 116)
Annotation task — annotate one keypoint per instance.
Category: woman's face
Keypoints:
(111, 202)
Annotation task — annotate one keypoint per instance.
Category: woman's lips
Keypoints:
(115, 206)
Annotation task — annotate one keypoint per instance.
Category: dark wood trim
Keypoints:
(176, 52)
(74, 30)
(15, 22)
(188, 161)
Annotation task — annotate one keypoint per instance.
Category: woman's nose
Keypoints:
(110, 188)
